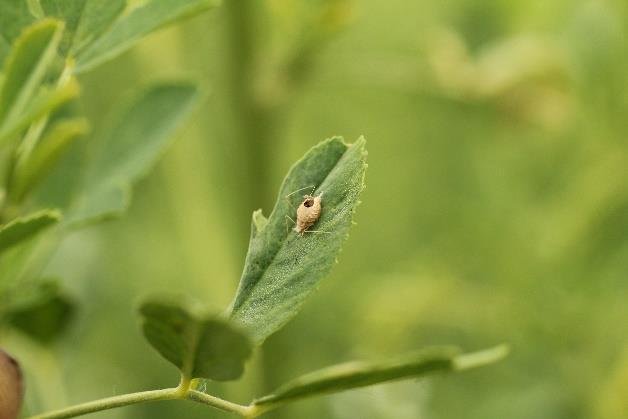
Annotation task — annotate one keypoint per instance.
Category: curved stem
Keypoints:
(218, 403)
(111, 403)
(182, 392)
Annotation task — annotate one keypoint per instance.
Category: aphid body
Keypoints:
(308, 213)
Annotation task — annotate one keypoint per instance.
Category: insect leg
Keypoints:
(287, 217)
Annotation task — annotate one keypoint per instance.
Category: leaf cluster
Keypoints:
(45, 45)
(46, 143)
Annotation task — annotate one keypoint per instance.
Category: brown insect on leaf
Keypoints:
(308, 212)
(11, 387)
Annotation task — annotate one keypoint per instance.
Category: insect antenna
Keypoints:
(302, 189)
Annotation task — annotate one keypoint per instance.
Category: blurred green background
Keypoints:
(496, 207)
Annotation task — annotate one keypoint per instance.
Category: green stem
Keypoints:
(254, 119)
(111, 403)
(182, 392)
(219, 403)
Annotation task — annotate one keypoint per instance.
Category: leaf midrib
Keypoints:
(188, 367)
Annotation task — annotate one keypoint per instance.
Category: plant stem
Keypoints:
(219, 403)
(179, 393)
(111, 403)
(254, 118)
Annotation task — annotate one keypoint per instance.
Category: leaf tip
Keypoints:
(480, 358)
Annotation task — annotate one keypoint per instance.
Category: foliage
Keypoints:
(201, 347)
(39, 126)
(496, 207)
(361, 374)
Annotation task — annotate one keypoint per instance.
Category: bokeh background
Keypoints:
(496, 207)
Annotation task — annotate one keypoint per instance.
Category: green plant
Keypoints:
(45, 45)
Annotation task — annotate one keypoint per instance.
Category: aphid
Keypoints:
(308, 212)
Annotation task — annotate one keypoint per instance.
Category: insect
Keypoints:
(308, 212)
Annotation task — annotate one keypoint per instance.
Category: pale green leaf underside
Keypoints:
(25, 228)
(133, 144)
(129, 29)
(361, 374)
(283, 268)
(201, 347)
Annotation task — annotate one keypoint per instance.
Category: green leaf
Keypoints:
(70, 12)
(24, 295)
(129, 29)
(11, 387)
(15, 270)
(47, 316)
(137, 138)
(5, 47)
(361, 374)
(26, 67)
(43, 158)
(25, 228)
(44, 103)
(97, 17)
(100, 204)
(200, 346)
(14, 16)
(20, 270)
(84, 19)
(283, 268)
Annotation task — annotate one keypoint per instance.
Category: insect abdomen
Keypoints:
(308, 215)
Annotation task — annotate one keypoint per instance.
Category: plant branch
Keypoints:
(182, 392)
(111, 403)
(219, 403)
